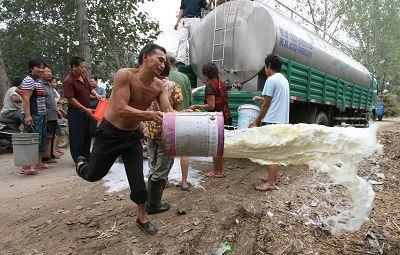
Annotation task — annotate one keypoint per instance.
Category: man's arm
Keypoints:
(120, 99)
(16, 99)
(264, 109)
(73, 102)
(180, 15)
(94, 93)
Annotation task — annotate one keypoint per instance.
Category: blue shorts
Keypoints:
(38, 126)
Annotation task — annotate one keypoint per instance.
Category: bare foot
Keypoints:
(263, 178)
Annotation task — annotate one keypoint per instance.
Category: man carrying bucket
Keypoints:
(119, 132)
(274, 109)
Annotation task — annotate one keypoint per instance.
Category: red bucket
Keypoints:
(100, 110)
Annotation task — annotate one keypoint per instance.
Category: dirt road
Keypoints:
(55, 212)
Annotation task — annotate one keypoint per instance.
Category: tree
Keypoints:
(375, 28)
(3, 80)
(49, 29)
(84, 46)
(392, 108)
(118, 30)
(42, 28)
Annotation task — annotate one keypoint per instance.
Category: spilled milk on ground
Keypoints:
(332, 150)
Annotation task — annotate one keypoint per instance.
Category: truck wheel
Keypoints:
(321, 119)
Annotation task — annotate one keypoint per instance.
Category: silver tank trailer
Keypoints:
(254, 30)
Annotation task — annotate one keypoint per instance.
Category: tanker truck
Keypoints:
(327, 86)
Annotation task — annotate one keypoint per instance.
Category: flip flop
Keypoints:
(212, 174)
(261, 188)
(41, 167)
(31, 171)
(147, 227)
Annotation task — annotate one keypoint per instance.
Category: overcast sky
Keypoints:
(165, 12)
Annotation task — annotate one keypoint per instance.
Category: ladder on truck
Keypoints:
(219, 29)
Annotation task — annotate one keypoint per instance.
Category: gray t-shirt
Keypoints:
(51, 104)
(277, 87)
(8, 104)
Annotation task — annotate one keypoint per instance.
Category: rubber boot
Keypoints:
(156, 189)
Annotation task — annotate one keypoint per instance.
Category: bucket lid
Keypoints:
(249, 106)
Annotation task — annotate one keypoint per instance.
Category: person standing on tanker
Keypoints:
(215, 100)
(183, 81)
(77, 90)
(119, 132)
(160, 162)
(190, 11)
(274, 109)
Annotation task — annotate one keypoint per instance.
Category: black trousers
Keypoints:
(51, 131)
(79, 133)
(110, 143)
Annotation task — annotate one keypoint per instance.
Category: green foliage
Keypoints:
(40, 28)
(118, 30)
(48, 29)
(392, 107)
(375, 27)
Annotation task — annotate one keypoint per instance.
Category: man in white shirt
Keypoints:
(12, 103)
(274, 109)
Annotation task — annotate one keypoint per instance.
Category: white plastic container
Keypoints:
(25, 149)
(247, 113)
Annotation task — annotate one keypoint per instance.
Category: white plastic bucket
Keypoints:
(25, 149)
(247, 113)
(194, 133)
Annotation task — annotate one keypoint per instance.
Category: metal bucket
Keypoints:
(194, 133)
(247, 113)
(25, 149)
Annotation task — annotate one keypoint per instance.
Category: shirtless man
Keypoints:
(119, 133)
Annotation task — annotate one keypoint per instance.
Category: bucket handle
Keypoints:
(33, 128)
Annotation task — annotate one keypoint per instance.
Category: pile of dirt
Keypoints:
(75, 217)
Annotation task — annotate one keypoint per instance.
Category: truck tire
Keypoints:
(321, 119)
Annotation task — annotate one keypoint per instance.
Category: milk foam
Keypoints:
(332, 150)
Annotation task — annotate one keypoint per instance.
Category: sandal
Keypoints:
(30, 171)
(147, 227)
(263, 188)
(212, 174)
